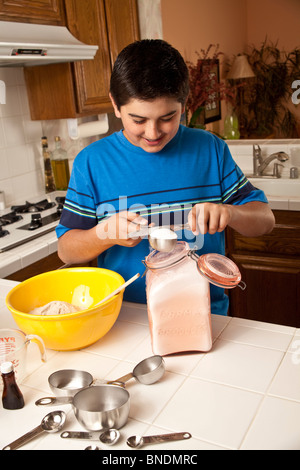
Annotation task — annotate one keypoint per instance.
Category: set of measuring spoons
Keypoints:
(76, 388)
(53, 422)
(111, 437)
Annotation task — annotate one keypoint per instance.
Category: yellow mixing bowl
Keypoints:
(82, 287)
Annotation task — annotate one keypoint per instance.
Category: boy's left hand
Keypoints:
(209, 218)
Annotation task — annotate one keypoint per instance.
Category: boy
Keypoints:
(154, 171)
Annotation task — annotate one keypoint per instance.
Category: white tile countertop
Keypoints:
(24, 255)
(243, 394)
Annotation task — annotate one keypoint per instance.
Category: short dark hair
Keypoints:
(149, 69)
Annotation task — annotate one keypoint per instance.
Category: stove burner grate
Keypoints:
(33, 207)
(10, 218)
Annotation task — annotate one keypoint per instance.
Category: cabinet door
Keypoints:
(122, 25)
(270, 267)
(273, 290)
(49, 12)
(86, 21)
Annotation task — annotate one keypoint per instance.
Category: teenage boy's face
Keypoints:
(150, 124)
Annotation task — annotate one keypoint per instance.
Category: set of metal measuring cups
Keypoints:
(101, 408)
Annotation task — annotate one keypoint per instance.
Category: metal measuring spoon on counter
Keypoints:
(52, 422)
(138, 441)
(108, 437)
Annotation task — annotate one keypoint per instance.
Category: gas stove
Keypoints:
(28, 221)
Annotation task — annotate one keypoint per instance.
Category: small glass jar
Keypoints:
(178, 297)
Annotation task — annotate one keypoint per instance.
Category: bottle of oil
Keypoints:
(49, 178)
(12, 398)
(60, 166)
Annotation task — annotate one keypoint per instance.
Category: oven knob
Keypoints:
(36, 221)
(3, 233)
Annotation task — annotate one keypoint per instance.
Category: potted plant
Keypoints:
(206, 90)
(267, 108)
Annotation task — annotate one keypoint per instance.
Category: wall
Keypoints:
(21, 163)
(194, 24)
(203, 23)
(150, 19)
(20, 172)
(282, 18)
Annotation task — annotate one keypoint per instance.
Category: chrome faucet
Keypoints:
(260, 164)
(257, 159)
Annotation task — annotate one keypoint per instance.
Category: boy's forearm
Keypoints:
(80, 246)
(252, 219)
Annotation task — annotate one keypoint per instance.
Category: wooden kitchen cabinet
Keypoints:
(81, 89)
(270, 267)
(50, 12)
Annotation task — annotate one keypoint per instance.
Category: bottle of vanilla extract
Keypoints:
(48, 174)
(12, 398)
(60, 166)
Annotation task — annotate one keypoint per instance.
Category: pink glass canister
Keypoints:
(178, 297)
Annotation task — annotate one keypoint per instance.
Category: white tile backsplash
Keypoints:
(4, 171)
(19, 176)
(13, 103)
(21, 163)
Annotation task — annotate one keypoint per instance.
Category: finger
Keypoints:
(213, 222)
(135, 218)
(131, 222)
(223, 222)
(203, 219)
(133, 230)
(192, 220)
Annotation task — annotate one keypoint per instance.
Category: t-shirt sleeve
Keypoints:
(79, 210)
(236, 188)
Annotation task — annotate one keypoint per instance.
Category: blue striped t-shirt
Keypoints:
(112, 175)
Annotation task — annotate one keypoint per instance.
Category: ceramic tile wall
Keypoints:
(21, 163)
(20, 169)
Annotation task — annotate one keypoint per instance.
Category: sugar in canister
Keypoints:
(178, 297)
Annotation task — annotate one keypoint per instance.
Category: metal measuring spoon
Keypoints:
(52, 422)
(147, 372)
(108, 437)
(161, 238)
(138, 441)
(164, 238)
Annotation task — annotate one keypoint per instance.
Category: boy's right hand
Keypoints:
(116, 228)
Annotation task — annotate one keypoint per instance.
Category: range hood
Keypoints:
(23, 45)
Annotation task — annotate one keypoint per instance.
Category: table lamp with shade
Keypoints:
(239, 71)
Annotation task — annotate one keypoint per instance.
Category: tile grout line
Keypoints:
(266, 394)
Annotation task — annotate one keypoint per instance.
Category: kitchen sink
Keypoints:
(277, 186)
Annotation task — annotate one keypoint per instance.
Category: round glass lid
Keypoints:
(219, 270)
